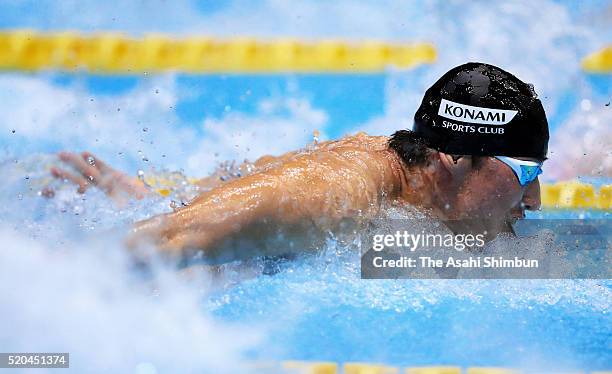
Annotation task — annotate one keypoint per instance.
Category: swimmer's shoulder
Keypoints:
(382, 163)
(350, 147)
(358, 141)
(374, 145)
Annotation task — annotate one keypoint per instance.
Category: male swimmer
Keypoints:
(479, 139)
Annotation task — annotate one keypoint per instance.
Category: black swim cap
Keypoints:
(482, 110)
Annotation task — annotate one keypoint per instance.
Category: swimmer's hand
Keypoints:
(95, 172)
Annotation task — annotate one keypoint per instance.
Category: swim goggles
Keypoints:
(525, 171)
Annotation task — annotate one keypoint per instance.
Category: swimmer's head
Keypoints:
(481, 110)
(471, 114)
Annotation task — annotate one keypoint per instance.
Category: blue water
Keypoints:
(349, 100)
(319, 309)
(315, 307)
(427, 323)
(67, 285)
(312, 308)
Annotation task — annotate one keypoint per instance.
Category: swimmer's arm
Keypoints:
(220, 177)
(210, 217)
(317, 187)
(92, 171)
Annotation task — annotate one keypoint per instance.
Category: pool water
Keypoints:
(67, 285)
(67, 276)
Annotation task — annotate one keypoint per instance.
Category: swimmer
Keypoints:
(474, 154)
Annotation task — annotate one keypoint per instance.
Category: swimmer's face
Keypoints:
(491, 191)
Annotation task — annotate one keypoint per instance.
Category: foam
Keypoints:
(60, 257)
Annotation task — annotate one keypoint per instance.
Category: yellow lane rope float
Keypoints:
(305, 367)
(118, 54)
(576, 195)
(598, 62)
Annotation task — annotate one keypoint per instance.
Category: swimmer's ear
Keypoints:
(447, 161)
(455, 165)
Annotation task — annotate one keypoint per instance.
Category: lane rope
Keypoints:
(112, 53)
(324, 367)
(599, 62)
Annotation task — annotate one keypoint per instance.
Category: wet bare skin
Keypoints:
(338, 179)
(320, 186)
(94, 172)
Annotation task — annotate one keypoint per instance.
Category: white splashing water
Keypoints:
(81, 298)
(66, 285)
(582, 145)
